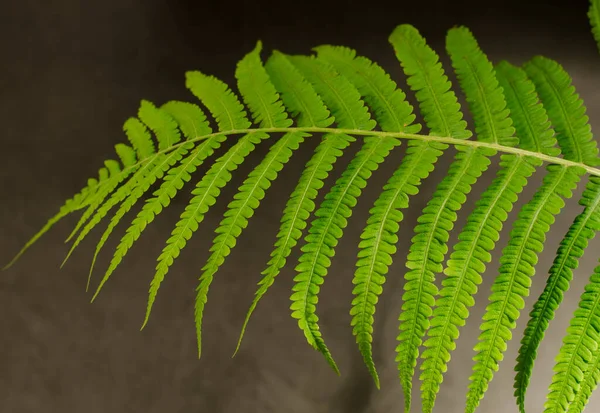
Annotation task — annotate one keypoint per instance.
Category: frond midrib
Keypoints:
(399, 135)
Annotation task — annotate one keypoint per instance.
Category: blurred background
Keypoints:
(72, 72)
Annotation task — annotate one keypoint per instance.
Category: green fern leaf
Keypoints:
(239, 212)
(268, 111)
(192, 122)
(161, 123)
(302, 101)
(230, 115)
(579, 346)
(517, 266)
(394, 114)
(575, 139)
(189, 117)
(532, 125)
(167, 135)
(588, 384)
(160, 168)
(571, 249)
(116, 198)
(142, 143)
(441, 111)
(343, 99)
(467, 262)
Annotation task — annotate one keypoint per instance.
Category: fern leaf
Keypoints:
(441, 111)
(302, 101)
(192, 123)
(571, 249)
(172, 183)
(189, 117)
(230, 115)
(160, 168)
(324, 233)
(532, 125)
(394, 114)
(343, 99)
(576, 353)
(116, 198)
(161, 123)
(142, 143)
(467, 262)
(588, 384)
(222, 103)
(388, 103)
(517, 266)
(260, 95)
(239, 212)
(565, 109)
(167, 134)
(574, 136)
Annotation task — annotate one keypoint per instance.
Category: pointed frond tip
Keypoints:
(530, 117)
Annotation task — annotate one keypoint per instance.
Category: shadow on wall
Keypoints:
(75, 73)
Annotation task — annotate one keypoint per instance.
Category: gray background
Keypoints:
(72, 72)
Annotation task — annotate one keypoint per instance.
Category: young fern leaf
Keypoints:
(343, 99)
(575, 138)
(467, 262)
(301, 100)
(268, 111)
(226, 108)
(441, 111)
(393, 114)
(577, 352)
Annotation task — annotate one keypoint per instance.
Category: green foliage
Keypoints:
(528, 116)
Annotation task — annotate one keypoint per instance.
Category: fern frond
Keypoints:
(302, 101)
(467, 261)
(268, 111)
(578, 349)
